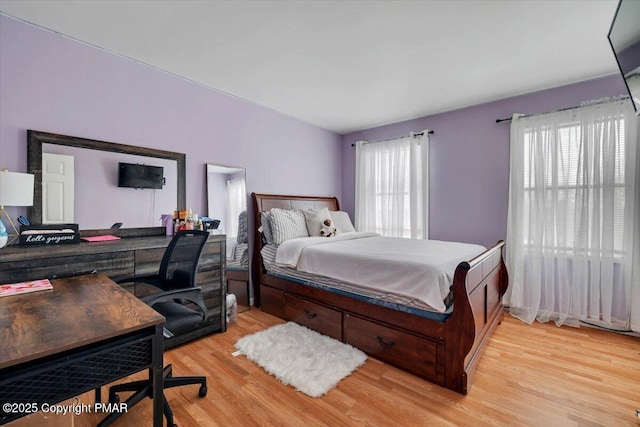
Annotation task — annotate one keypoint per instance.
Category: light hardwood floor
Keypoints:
(529, 375)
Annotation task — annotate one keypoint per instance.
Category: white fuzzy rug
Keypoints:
(297, 356)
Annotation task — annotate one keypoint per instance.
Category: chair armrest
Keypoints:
(193, 295)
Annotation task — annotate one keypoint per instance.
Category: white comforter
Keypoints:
(421, 269)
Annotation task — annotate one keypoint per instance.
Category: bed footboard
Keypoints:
(478, 286)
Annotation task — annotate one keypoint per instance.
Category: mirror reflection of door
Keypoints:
(58, 189)
(227, 203)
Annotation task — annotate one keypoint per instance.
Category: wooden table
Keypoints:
(85, 333)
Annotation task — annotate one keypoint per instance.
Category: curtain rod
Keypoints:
(570, 108)
(430, 132)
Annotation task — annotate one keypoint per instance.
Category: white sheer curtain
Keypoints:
(392, 186)
(574, 209)
(236, 202)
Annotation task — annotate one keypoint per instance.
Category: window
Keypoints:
(579, 180)
(573, 213)
(391, 196)
(392, 186)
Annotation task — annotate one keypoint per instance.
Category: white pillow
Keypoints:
(342, 221)
(287, 225)
(315, 218)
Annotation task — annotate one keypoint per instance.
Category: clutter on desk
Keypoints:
(25, 287)
(103, 238)
(187, 220)
(209, 224)
(168, 223)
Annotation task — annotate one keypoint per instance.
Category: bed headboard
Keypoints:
(266, 202)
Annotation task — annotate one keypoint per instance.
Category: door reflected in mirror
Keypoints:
(227, 203)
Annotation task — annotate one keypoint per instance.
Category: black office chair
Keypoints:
(177, 282)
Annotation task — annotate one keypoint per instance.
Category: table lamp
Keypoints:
(16, 189)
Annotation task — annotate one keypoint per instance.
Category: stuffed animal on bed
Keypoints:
(327, 229)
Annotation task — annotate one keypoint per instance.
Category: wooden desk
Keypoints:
(122, 258)
(85, 333)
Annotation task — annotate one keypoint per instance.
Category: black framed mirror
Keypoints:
(624, 38)
(227, 203)
(35, 141)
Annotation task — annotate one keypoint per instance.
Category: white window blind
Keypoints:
(572, 171)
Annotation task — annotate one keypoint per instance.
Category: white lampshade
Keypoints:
(16, 189)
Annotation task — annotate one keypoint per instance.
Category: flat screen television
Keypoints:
(624, 38)
(140, 176)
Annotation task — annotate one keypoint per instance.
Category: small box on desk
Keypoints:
(210, 224)
(48, 234)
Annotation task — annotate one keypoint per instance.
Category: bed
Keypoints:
(443, 348)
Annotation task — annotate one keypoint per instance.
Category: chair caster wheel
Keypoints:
(203, 391)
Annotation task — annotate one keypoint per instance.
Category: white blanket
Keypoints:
(421, 269)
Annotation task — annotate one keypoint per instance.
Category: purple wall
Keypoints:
(469, 175)
(52, 83)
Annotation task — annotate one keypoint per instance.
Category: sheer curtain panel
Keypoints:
(574, 217)
(392, 186)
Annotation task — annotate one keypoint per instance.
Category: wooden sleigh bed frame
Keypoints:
(443, 352)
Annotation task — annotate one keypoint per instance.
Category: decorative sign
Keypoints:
(49, 234)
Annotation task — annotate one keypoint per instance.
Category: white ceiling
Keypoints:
(349, 65)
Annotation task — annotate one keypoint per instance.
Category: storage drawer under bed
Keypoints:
(396, 347)
(314, 316)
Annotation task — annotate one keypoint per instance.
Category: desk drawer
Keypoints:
(116, 264)
(148, 261)
(211, 257)
(393, 346)
(314, 316)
